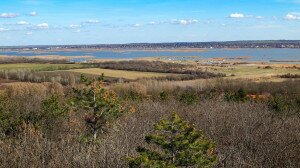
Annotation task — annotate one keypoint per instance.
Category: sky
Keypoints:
(55, 22)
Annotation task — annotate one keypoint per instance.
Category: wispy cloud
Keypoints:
(137, 25)
(33, 13)
(91, 21)
(292, 16)
(22, 23)
(243, 16)
(185, 22)
(237, 15)
(42, 26)
(8, 15)
(73, 26)
(3, 29)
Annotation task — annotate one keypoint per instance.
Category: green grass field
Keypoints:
(120, 73)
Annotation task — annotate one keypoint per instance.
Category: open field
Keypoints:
(253, 71)
(120, 73)
(38, 67)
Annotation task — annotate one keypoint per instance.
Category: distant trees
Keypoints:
(101, 106)
(179, 144)
(188, 72)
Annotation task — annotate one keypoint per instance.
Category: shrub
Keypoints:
(239, 96)
(189, 97)
(268, 67)
(179, 145)
(163, 96)
(284, 104)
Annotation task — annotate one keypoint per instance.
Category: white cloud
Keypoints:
(137, 25)
(158, 22)
(237, 15)
(74, 26)
(42, 26)
(33, 13)
(153, 23)
(8, 15)
(3, 29)
(185, 22)
(243, 16)
(92, 21)
(292, 16)
(29, 33)
(22, 23)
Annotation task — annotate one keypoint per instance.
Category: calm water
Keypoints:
(264, 55)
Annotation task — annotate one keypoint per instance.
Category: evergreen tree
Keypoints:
(53, 111)
(100, 105)
(179, 145)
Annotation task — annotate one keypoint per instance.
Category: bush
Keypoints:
(284, 104)
(163, 96)
(239, 96)
(189, 97)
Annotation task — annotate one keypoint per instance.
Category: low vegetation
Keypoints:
(51, 125)
(53, 116)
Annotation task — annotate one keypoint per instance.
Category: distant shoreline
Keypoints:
(170, 45)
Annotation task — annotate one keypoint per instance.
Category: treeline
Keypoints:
(159, 66)
(178, 45)
(63, 77)
(289, 75)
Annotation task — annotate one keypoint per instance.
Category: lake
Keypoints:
(264, 55)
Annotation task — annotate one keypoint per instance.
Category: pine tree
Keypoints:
(100, 105)
(179, 144)
(53, 111)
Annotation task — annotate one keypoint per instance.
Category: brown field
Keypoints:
(120, 73)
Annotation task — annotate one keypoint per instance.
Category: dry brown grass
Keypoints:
(120, 73)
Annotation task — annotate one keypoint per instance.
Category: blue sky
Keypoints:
(31, 22)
